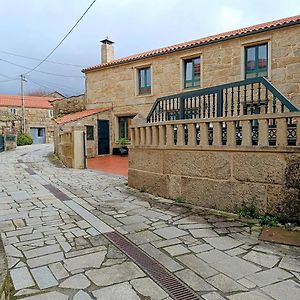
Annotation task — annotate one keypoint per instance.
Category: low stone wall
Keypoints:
(68, 105)
(221, 167)
(220, 179)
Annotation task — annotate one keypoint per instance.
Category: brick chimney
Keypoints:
(107, 51)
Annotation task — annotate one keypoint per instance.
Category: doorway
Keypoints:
(103, 137)
(38, 135)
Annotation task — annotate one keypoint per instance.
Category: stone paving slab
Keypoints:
(56, 248)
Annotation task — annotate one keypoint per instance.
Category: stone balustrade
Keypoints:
(248, 130)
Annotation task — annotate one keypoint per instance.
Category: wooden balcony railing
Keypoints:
(247, 97)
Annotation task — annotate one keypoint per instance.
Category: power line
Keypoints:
(61, 40)
(43, 72)
(54, 84)
(36, 59)
(48, 87)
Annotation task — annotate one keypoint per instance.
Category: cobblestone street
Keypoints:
(58, 224)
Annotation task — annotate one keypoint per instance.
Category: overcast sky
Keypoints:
(34, 27)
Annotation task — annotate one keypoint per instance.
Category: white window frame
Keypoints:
(13, 110)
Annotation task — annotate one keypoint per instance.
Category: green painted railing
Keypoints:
(246, 97)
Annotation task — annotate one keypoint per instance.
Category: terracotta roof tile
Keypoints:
(81, 114)
(201, 41)
(30, 101)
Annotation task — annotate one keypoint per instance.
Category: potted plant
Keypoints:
(122, 143)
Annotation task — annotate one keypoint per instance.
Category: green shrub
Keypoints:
(24, 139)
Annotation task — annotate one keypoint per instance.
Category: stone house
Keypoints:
(130, 85)
(38, 115)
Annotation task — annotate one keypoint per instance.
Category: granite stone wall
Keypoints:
(221, 179)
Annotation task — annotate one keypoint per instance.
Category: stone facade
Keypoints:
(221, 62)
(35, 117)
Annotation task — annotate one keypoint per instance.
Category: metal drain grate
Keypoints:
(166, 280)
(56, 192)
(30, 171)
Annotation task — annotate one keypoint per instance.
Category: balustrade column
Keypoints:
(263, 133)
(154, 135)
(231, 133)
(143, 136)
(162, 135)
(192, 135)
(148, 136)
(246, 133)
(132, 134)
(204, 134)
(217, 134)
(180, 135)
(170, 135)
(281, 132)
(137, 139)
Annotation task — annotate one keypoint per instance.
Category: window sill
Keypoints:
(144, 95)
(191, 88)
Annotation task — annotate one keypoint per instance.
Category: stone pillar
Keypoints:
(154, 135)
(231, 134)
(78, 161)
(170, 135)
(162, 135)
(137, 139)
(281, 126)
(217, 134)
(143, 136)
(246, 133)
(192, 135)
(148, 136)
(204, 134)
(180, 135)
(263, 133)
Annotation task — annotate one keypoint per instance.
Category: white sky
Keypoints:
(34, 27)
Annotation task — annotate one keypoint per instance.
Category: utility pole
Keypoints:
(23, 104)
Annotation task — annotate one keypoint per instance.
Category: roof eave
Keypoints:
(292, 23)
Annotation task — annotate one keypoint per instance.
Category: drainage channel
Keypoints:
(56, 192)
(30, 171)
(176, 289)
(166, 280)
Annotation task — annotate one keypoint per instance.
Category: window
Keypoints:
(90, 133)
(192, 72)
(256, 61)
(144, 76)
(50, 113)
(12, 110)
(124, 123)
(41, 132)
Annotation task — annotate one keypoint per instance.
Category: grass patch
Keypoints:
(53, 158)
(179, 199)
(250, 210)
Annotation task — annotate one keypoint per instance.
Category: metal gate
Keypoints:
(2, 146)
